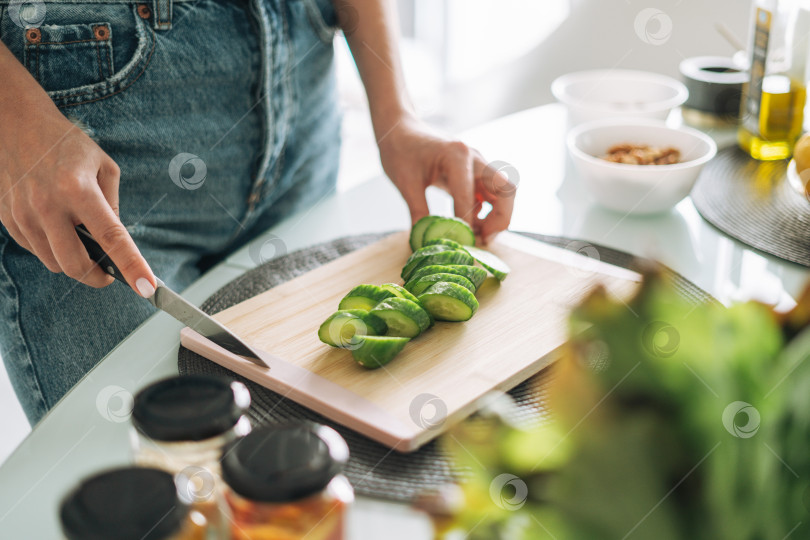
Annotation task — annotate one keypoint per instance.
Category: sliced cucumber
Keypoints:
(444, 242)
(418, 231)
(419, 255)
(418, 285)
(445, 257)
(364, 297)
(424, 251)
(451, 229)
(473, 273)
(402, 317)
(376, 351)
(402, 292)
(491, 262)
(449, 302)
(344, 328)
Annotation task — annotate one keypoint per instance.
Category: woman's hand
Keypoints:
(54, 177)
(414, 158)
(411, 155)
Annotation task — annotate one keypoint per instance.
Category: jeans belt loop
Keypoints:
(162, 10)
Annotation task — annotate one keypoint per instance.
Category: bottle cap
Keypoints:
(284, 463)
(131, 503)
(189, 407)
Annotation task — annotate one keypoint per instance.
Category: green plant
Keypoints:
(670, 421)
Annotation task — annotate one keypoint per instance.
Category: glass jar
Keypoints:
(187, 420)
(285, 482)
(181, 424)
(132, 503)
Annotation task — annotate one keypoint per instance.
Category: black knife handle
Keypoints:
(98, 254)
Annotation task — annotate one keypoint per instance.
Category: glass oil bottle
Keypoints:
(772, 109)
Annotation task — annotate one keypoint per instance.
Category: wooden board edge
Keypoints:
(302, 386)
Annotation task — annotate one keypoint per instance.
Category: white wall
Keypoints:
(598, 34)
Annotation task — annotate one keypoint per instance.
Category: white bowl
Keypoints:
(638, 189)
(614, 93)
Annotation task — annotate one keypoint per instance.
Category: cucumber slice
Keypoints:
(424, 251)
(376, 351)
(418, 231)
(418, 285)
(419, 255)
(364, 297)
(449, 302)
(402, 292)
(403, 317)
(491, 262)
(445, 257)
(451, 229)
(444, 242)
(344, 328)
(473, 273)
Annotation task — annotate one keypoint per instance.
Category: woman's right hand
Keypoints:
(54, 177)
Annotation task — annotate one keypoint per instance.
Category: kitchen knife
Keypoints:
(175, 305)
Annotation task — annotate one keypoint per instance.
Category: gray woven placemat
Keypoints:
(754, 202)
(374, 470)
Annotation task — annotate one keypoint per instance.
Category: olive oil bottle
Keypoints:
(772, 109)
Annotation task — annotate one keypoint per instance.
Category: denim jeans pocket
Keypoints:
(61, 57)
(85, 52)
(321, 16)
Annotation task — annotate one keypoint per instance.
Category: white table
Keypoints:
(82, 433)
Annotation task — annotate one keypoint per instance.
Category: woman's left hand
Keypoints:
(414, 158)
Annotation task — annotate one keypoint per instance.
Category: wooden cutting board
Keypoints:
(440, 375)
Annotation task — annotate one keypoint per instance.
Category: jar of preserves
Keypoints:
(181, 424)
(130, 503)
(285, 483)
(186, 421)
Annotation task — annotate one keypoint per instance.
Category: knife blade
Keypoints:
(175, 305)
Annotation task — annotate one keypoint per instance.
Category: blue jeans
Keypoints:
(223, 118)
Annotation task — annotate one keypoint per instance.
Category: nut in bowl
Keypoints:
(613, 93)
(639, 189)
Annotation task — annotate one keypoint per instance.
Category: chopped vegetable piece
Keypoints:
(343, 328)
(418, 231)
(444, 242)
(451, 229)
(402, 292)
(377, 351)
(418, 285)
(473, 273)
(449, 302)
(420, 254)
(403, 317)
(364, 297)
(445, 257)
(491, 262)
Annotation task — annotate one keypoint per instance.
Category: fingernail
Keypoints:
(145, 287)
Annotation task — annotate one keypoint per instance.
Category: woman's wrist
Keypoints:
(387, 116)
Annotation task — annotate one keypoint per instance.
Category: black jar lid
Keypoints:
(189, 407)
(131, 503)
(284, 463)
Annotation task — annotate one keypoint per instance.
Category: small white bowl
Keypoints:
(638, 189)
(614, 93)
